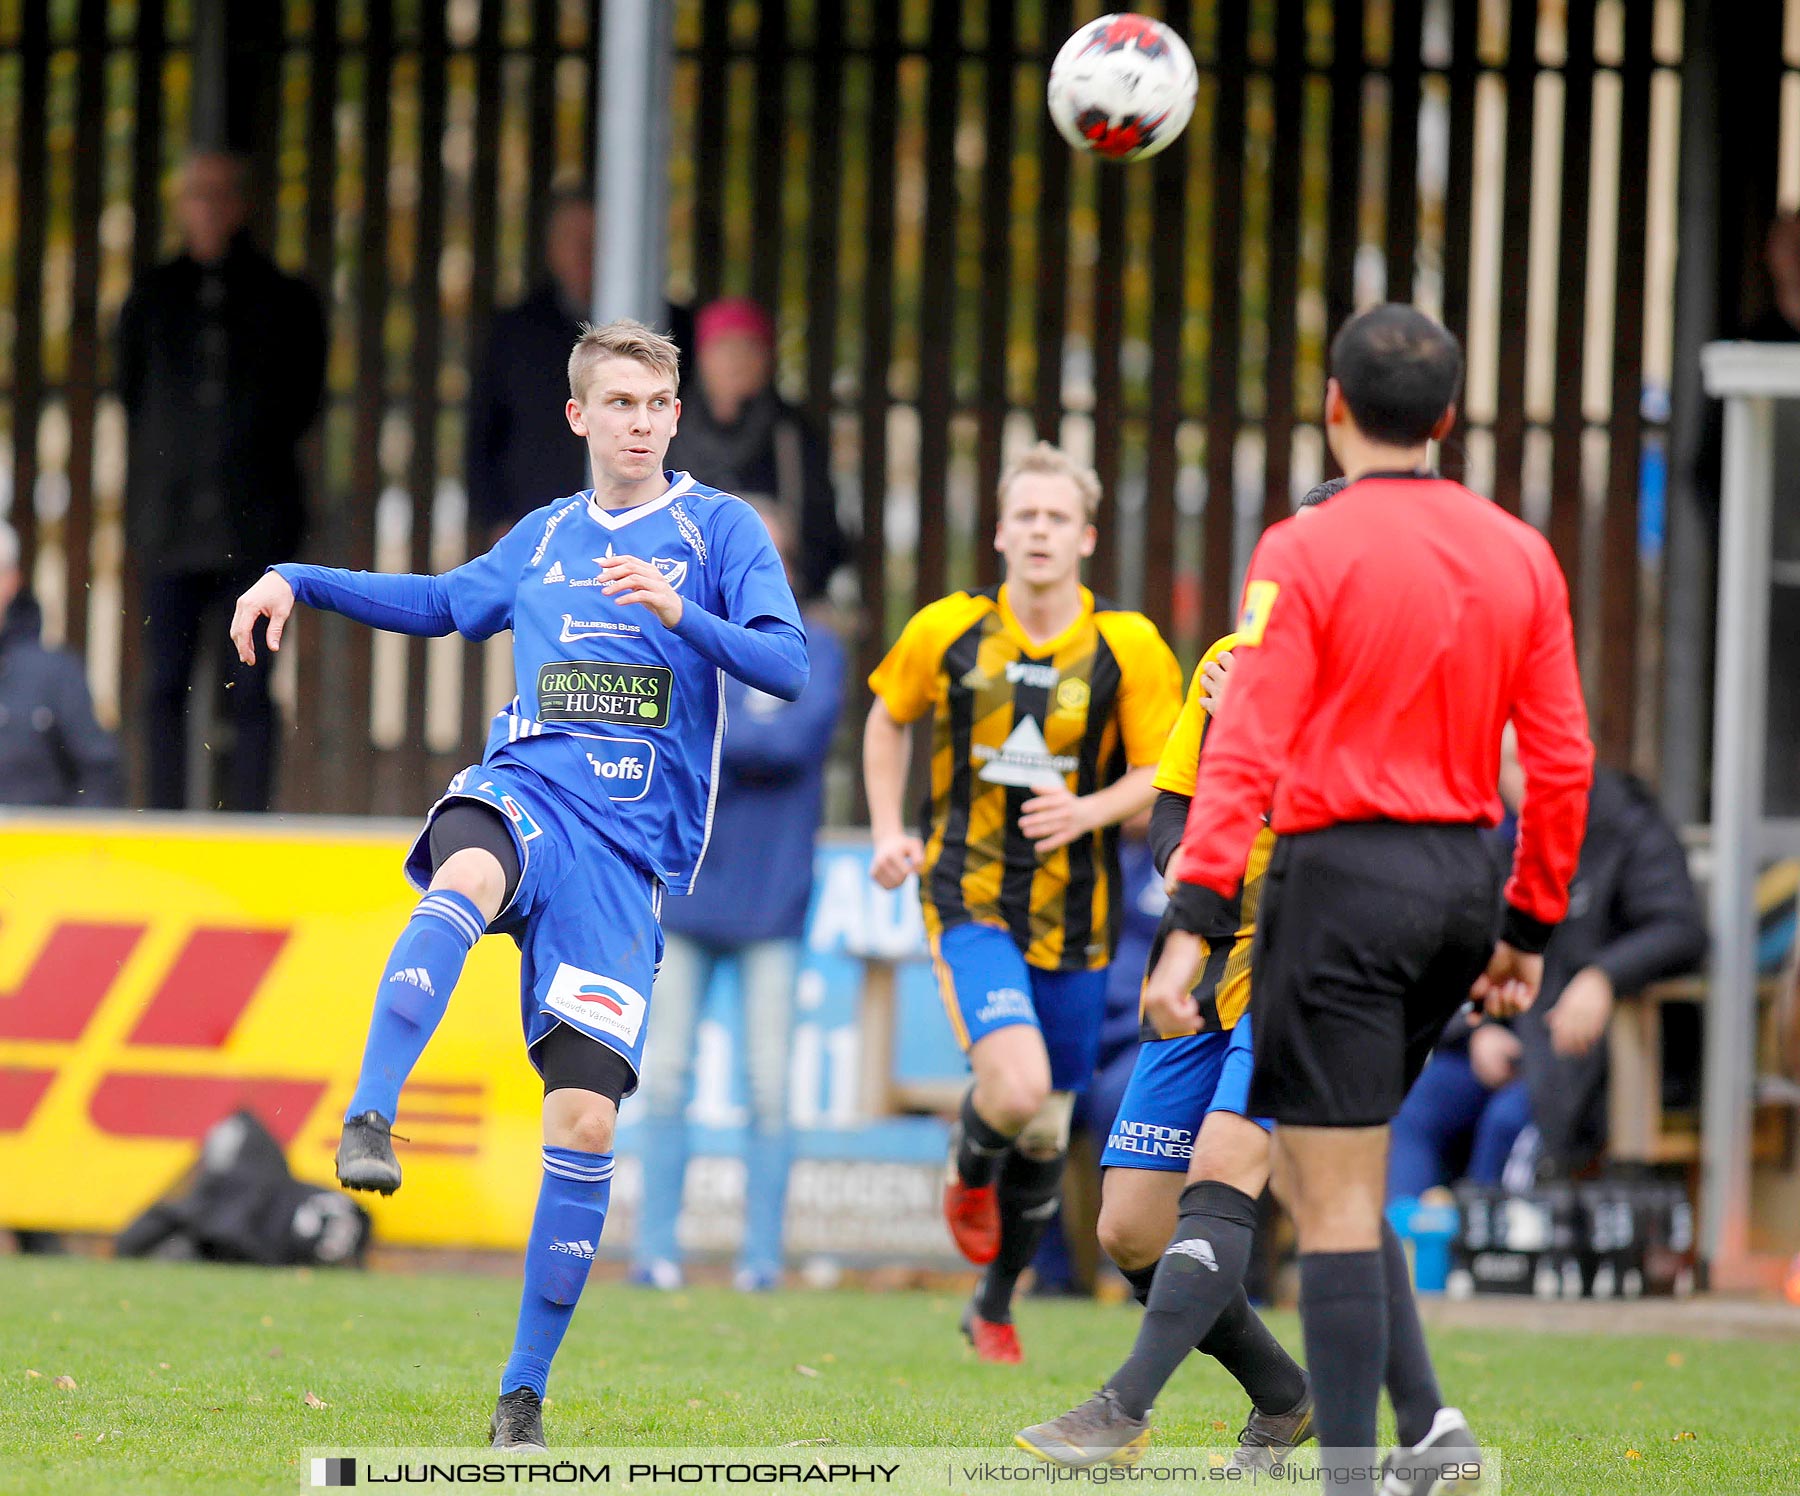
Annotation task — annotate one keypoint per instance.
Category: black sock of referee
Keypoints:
(980, 1146)
(1199, 1274)
(1411, 1383)
(1241, 1343)
(1344, 1317)
(1028, 1191)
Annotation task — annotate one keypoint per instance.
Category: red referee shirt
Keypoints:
(1386, 638)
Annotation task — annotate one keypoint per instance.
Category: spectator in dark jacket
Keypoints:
(521, 452)
(52, 751)
(221, 370)
(1534, 1092)
(737, 434)
(749, 908)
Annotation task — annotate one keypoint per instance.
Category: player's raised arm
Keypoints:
(760, 640)
(475, 599)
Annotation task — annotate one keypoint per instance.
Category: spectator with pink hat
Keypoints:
(737, 431)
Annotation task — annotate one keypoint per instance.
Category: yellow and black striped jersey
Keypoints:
(1223, 990)
(1010, 715)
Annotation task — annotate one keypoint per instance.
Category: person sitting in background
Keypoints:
(52, 751)
(1529, 1100)
(749, 441)
(521, 453)
(751, 910)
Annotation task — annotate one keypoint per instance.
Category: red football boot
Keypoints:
(973, 1216)
(996, 1343)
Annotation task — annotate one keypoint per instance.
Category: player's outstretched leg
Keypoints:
(421, 972)
(1193, 1291)
(565, 1232)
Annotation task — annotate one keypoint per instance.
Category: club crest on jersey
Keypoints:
(1024, 760)
(690, 532)
(597, 1002)
(674, 572)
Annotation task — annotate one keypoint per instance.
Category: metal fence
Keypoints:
(950, 281)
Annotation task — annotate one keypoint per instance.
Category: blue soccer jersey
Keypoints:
(622, 717)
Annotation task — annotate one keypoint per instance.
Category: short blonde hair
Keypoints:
(1053, 461)
(622, 339)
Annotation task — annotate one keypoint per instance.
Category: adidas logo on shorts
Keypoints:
(583, 1249)
(415, 976)
(1198, 1248)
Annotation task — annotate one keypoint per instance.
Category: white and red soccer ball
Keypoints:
(1123, 87)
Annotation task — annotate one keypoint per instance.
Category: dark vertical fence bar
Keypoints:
(422, 400)
(83, 375)
(371, 392)
(484, 198)
(302, 785)
(1619, 576)
(1217, 603)
(1515, 261)
(1284, 262)
(1167, 276)
(878, 343)
(542, 147)
(1459, 191)
(28, 280)
(1108, 336)
(709, 147)
(771, 153)
(996, 274)
(1346, 161)
(1571, 302)
(1053, 248)
(1404, 76)
(825, 178)
(937, 295)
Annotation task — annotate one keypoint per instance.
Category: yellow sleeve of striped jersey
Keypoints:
(906, 681)
(1149, 684)
(1179, 767)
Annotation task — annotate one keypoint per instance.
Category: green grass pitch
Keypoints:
(194, 1380)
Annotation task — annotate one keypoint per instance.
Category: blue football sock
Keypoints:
(415, 990)
(571, 1212)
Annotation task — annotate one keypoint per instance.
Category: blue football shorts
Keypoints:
(1174, 1085)
(587, 922)
(986, 985)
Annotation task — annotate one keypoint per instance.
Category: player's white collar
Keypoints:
(616, 519)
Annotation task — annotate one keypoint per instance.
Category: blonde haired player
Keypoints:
(1048, 710)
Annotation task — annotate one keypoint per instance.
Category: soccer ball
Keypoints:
(1123, 87)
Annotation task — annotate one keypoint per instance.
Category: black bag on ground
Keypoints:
(242, 1205)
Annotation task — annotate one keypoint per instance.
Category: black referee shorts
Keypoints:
(1368, 939)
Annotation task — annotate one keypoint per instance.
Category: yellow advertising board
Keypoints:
(158, 973)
